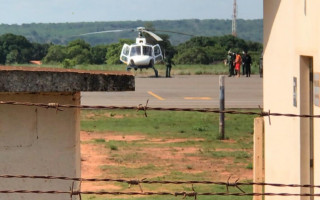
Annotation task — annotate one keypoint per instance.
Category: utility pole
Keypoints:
(234, 19)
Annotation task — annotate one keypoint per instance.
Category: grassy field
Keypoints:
(216, 69)
(173, 146)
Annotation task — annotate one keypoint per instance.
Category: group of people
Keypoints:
(235, 61)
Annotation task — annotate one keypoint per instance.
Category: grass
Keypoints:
(130, 172)
(196, 69)
(185, 188)
(169, 124)
(99, 140)
(189, 130)
(113, 146)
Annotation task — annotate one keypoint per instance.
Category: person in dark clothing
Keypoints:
(247, 63)
(230, 60)
(169, 64)
(243, 65)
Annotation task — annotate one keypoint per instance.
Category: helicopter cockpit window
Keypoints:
(135, 51)
(126, 50)
(157, 50)
(147, 51)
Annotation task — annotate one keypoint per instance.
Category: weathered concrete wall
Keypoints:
(39, 141)
(19, 79)
(45, 142)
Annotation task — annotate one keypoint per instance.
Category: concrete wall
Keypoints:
(39, 141)
(291, 43)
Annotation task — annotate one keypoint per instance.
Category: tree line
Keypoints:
(63, 33)
(16, 49)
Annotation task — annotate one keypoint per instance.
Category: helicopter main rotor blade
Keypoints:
(153, 35)
(110, 31)
(174, 32)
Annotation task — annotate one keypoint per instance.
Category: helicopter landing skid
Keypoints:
(155, 71)
(142, 67)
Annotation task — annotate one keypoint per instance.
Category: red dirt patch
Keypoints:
(88, 136)
(167, 159)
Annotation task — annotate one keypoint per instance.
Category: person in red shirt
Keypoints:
(238, 62)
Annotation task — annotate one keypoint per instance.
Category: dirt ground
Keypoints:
(95, 155)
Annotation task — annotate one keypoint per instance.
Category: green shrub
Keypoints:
(68, 63)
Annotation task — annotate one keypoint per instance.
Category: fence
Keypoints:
(236, 185)
(194, 194)
(59, 107)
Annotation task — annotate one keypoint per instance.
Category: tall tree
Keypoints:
(98, 54)
(17, 46)
(79, 52)
(56, 54)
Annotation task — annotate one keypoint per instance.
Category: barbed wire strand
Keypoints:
(137, 182)
(189, 194)
(74, 192)
(59, 107)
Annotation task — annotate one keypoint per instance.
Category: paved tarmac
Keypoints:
(198, 91)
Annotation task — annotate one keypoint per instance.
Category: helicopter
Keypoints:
(141, 55)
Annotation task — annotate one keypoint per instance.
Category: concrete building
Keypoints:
(43, 141)
(291, 85)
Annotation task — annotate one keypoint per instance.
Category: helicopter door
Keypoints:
(157, 53)
(125, 53)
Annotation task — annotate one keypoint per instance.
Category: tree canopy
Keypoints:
(206, 50)
(62, 33)
(17, 49)
(197, 50)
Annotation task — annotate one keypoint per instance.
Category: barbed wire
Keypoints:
(77, 192)
(194, 194)
(184, 194)
(136, 182)
(59, 107)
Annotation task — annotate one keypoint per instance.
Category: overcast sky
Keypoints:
(55, 11)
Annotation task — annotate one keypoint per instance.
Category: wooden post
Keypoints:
(258, 156)
(221, 123)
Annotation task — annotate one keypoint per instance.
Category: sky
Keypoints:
(60, 11)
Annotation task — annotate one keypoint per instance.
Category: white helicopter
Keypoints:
(140, 55)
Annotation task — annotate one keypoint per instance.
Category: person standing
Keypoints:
(243, 65)
(247, 63)
(169, 64)
(238, 62)
(230, 60)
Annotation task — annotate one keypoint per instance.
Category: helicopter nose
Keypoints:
(141, 60)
